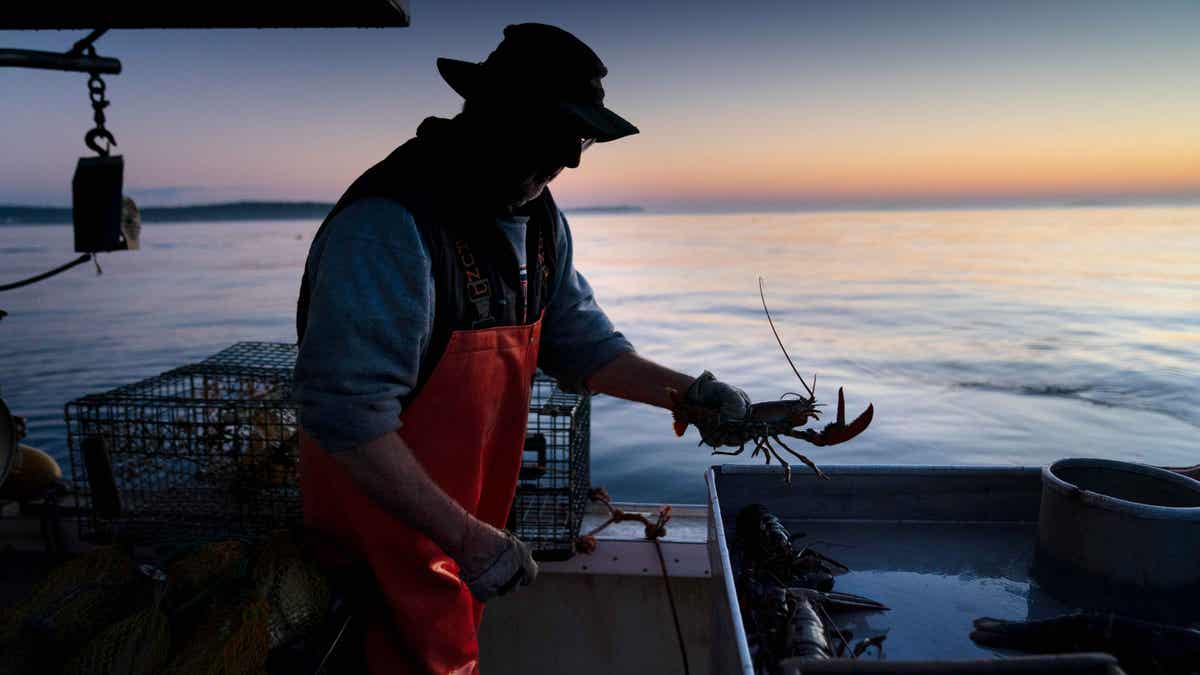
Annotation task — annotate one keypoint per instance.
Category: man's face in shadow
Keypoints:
(531, 151)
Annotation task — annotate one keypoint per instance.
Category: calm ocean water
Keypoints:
(982, 337)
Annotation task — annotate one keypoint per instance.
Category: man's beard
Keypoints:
(529, 190)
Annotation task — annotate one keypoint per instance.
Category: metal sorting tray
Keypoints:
(941, 546)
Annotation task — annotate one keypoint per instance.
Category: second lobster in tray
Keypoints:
(786, 596)
(764, 423)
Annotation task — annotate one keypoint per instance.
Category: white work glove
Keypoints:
(492, 562)
(709, 392)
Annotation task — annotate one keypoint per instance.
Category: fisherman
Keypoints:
(438, 283)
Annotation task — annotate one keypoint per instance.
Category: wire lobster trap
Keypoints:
(206, 450)
(553, 485)
(209, 450)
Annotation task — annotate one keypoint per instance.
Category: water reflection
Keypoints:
(1001, 337)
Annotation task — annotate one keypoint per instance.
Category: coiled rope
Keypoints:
(655, 531)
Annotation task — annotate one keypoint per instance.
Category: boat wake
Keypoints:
(1163, 400)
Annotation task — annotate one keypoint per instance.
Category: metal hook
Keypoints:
(90, 138)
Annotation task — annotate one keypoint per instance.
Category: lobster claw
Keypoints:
(837, 431)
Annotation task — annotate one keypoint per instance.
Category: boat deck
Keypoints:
(608, 612)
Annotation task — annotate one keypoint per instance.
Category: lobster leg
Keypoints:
(802, 458)
(758, 447)
(787, 469)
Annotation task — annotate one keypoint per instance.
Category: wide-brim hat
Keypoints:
(542, 63)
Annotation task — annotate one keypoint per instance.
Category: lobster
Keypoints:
(766, 547)
(767, 421)
(786, 596)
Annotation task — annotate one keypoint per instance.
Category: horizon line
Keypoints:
(685, 208)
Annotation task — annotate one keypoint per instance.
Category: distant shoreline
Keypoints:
(255, 210)
(53, 215)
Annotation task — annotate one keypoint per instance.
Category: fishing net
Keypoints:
(209, 566)
(278, 549)
(105, 566)
(139, 645)
(296, 593)
(232, 640)
(246, 650)
(20, 657)
(74, 603)
(99, 615)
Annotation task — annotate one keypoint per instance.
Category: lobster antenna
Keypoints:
(777, 339)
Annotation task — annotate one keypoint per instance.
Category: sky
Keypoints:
(741, 105)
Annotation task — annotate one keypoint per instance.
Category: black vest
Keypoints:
(476, 275)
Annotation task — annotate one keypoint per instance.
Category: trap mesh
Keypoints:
(209, 450)
(203, 450)
(554, 481)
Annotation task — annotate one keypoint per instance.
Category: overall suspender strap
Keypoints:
(478, 288)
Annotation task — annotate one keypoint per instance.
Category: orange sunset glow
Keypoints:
(759, 105)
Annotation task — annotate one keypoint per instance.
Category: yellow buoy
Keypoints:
(32, 473)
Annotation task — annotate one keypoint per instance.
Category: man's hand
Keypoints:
(728, 401)
(493, 562)
(710, 392)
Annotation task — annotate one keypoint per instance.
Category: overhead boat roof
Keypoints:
(89, 14)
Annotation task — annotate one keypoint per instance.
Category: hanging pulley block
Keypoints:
(96, 204)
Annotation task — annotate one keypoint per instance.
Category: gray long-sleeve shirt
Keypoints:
(371, 316)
